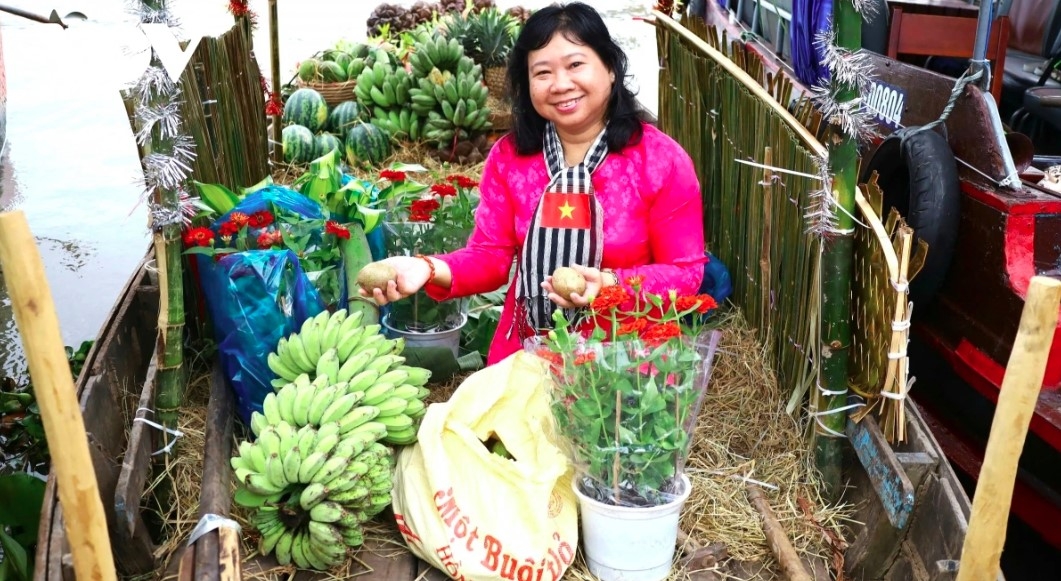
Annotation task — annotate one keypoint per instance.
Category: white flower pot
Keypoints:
(630, 543)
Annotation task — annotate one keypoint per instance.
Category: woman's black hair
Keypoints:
(581, 24)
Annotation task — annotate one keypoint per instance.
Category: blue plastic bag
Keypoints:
(280, 197)
(716, 282)
(254, 298)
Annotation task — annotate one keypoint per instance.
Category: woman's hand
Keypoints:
(594, 282)
(413, 274)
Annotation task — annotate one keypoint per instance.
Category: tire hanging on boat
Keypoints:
(919, 177)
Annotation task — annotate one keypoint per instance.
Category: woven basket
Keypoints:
(333, 93)
(500, 114)
(496, 82)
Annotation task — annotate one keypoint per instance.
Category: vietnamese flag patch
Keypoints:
(566, 211)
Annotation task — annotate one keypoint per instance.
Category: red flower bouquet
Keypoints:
(436, 219)
(628, 385)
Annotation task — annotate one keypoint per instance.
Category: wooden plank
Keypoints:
(927, 93)
(383, 562)
(886, 475)
(215, 497)
(136, 548)
(41, 561)
(101, 408)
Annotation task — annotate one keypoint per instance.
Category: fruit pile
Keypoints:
(312, 130)
(320, 464)
(439, 99)
(354, 362)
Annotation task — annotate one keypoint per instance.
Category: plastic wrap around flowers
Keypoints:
(629, 383)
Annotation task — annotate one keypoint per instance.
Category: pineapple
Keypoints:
(492, 34)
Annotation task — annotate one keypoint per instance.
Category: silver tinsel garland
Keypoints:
(821, 206)
(847, 70)
(157, 113)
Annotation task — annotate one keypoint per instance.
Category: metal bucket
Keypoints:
(450, 338)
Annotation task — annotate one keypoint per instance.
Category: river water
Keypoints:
(70, 162)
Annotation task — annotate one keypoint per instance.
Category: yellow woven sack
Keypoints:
(475, 514)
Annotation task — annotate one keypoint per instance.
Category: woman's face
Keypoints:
(570, 86)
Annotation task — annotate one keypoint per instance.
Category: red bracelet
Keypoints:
(430, 265)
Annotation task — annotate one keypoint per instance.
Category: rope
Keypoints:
(956, 92)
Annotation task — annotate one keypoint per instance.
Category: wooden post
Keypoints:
(274, 61)
(1016, 404)
(31, 301)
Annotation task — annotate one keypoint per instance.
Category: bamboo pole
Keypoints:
(274, 61)
(765, 267)
(167, 240)
(837, 266)
(1016, 404)
(31, 300)
(780, 545)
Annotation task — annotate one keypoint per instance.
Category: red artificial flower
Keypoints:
(392, 175)
(229, 229)
(268, 239)
(702, 303)
(239, 219)
(260, 219)
(610, 298)
(661, 333)
(340, 231)
(420, 216)
(632, 327)
(462, 181)
(238, 8)
(273, 106)
(199, 237)
(707, 302)
(584, 358)
(635, 281)
(554, 358)
(443, 190)
(424, 206)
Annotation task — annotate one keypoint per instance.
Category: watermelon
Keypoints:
(332, 72)
(308, 70)
(307, 108)
(324, 142)
(338, 57)
(343, 117)
(299, 145)
(367, 144)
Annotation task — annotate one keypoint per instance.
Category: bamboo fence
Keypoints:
(719, 103)
(224, 111)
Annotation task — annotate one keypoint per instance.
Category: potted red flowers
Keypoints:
(436, 219)
(627, 384)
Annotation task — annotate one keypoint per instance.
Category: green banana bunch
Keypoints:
(437, 52)
(311, 488)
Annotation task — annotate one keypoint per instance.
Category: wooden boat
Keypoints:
(910, 507)
(961, 340)
(925, 498)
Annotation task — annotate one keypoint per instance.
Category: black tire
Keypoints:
(919, 178)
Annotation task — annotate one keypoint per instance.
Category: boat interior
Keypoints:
(1024, 49)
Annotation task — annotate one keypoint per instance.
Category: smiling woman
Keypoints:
(582, 181)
